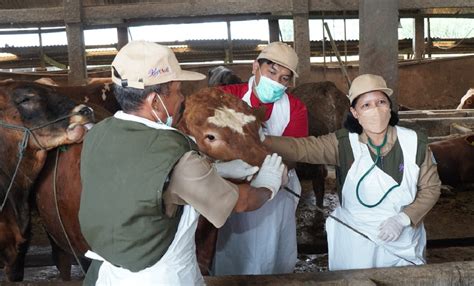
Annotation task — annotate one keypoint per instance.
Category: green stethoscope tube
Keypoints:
(377, 148)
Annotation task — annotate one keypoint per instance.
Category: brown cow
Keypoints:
(220, 140)
(33, 119)
(455, 158)
(327, 108)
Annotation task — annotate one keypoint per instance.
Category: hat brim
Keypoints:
(387, 91)
(180, 76)
(189, 76)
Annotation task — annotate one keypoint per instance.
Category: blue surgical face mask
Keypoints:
(169, 119)
(268, 90)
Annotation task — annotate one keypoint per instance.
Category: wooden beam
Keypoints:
(301, 41)
(274, 30)
(75, 39)
(122, 37)
(419, 37)
(115, 14)
(97, 14)
(378, 39)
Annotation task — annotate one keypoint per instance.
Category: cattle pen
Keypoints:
(427, 62)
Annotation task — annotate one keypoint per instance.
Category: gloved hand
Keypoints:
(261, 135)
(236, 169)
(391, 228)
(270, 175)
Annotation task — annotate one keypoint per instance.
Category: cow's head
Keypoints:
(33, 105)
(225, 127)
(467, 101)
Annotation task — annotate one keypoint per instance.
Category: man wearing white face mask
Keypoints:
(387, 181)
(264, 241)
(144, 184)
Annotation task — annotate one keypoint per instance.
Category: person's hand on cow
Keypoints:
(270, 174)
(236, 169)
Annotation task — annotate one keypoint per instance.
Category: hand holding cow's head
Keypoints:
(225, 127)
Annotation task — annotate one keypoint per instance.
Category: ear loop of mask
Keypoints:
(164, 106)
(377, 148)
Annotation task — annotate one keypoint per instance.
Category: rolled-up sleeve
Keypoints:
(195, 181)
(429, 190)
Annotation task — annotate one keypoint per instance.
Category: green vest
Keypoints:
(389, 163)
(124, 169)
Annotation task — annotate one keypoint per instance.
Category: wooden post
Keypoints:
(75, 38)
(122, 37)
(378, 41)
(419, 37)
(230, 46)
(301, 42)
(274, 30)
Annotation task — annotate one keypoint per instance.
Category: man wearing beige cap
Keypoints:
(264, 241)
(144, 183)
(387, 181)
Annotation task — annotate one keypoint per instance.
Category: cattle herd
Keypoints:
(37, 118)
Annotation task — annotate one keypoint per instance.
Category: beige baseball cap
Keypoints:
(282, 54)
(367, 83)
(139, 64)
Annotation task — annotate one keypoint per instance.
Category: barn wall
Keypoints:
(435, 84)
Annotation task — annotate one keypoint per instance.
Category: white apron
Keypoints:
(262, 241)
(349, 250)
(178, 266)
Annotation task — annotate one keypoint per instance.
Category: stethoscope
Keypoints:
(378, 149)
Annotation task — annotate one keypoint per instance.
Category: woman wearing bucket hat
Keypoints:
(387, 181)
(264, 241)
(144, 184)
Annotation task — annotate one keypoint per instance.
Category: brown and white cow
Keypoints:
(224, 127)
(467, 101)
(33, 120)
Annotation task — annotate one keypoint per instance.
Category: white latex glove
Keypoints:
(236, 169)
(270, 175)
(261, 135)
(391, 228)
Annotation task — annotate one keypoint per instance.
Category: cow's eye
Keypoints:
(210, 137)
(23, 100)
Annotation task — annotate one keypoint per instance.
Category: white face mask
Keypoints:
(169, 119)
(375, 120)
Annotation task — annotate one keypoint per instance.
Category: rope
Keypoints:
(27, 132)
(58, 213)
(22, 147)
(352, 228)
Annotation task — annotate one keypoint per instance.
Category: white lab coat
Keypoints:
(262, 241)
(349, 250)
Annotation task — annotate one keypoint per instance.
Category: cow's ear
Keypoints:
(259, 113)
